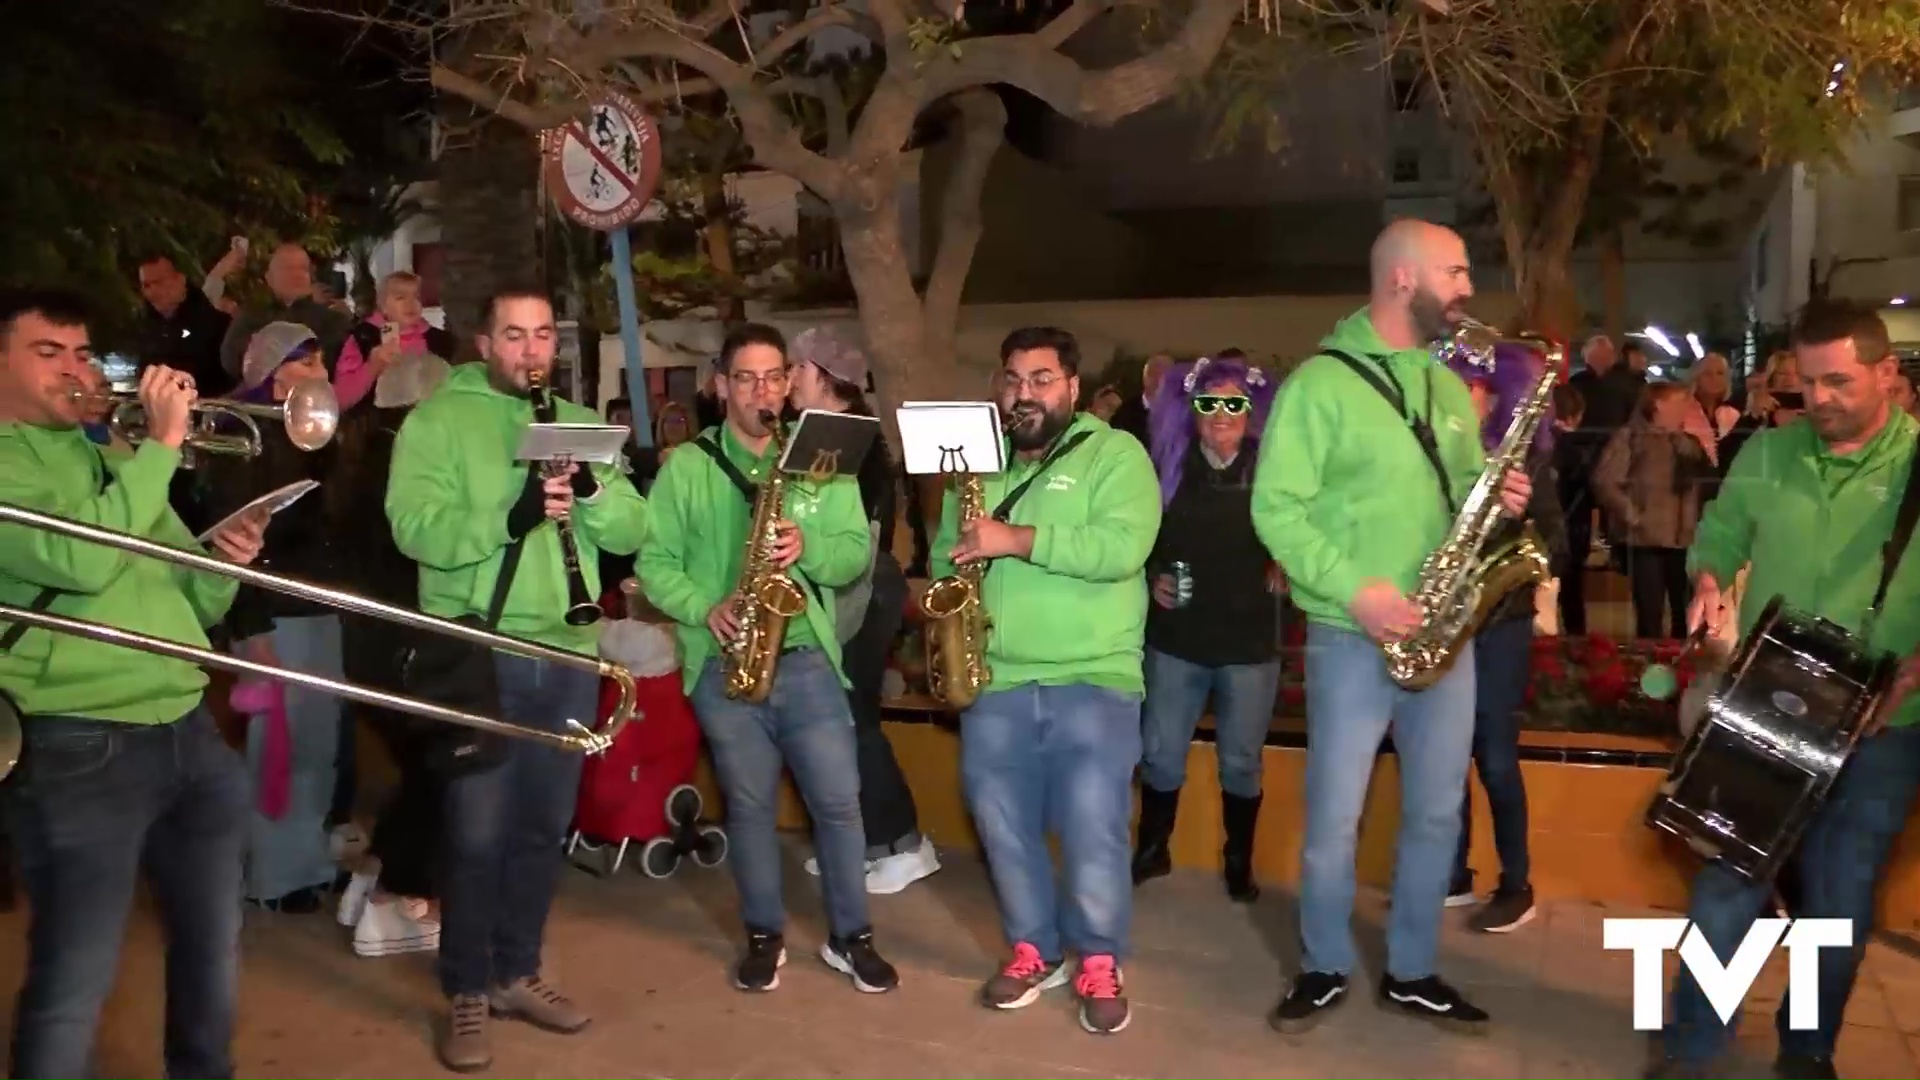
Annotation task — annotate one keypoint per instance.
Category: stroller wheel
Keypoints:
(713, 846)
(684, 805)
(658, 860)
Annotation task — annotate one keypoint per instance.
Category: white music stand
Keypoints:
(597, 443)
(951, 437)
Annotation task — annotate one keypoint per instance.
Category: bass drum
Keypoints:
(1775, 732)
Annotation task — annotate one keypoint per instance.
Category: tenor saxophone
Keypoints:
(956, 609)
(766, 598)
(1481, 560)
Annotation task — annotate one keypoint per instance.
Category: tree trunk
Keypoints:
(489, 202)
(718, 235)
(891, 313)
(1613, 283)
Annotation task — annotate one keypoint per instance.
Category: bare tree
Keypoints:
(1548, 89)
(857, 160)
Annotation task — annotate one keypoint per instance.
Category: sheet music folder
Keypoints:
(598, 443)
(823, 444)
(951, 437)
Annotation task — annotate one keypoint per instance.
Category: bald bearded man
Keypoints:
(1369, 450)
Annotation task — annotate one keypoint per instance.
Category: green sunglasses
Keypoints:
(1232, 405)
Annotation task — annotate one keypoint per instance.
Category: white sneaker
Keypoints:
(403, 925)
(353, 898)
(813, 865)
(895, 872)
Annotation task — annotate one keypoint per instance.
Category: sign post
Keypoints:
(603, 170)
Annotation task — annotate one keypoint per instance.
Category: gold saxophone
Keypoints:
(1480, 561)
(766, 598)
(956, 609)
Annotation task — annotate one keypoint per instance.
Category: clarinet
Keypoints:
(582, 610)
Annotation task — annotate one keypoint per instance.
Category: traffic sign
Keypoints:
(603, 168)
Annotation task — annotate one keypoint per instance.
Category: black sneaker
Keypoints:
(759, 970)
(855, 957)
(1312, 994)
(1506, 910)
(1432, 999)
(1796, 1067)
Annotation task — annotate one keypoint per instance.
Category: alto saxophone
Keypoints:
(956, 609)
(1481, 560)
(766, 598)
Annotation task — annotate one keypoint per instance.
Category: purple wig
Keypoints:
(1515, 367)
(1171, 420)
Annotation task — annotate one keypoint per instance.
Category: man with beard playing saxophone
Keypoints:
(1370, 450)
(704, 503)
(1053, 739)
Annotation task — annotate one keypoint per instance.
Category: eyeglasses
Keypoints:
(1208, 404)
(744, 381)
(1039, 382)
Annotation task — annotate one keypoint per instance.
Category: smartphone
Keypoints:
(240, 244)
(1790, 399)
(389, 331)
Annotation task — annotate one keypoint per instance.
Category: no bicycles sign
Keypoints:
(603, 168)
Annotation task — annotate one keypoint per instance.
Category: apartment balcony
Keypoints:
(1905, 121)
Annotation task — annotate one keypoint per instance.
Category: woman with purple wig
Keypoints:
(1503, 652)
(1213, 626)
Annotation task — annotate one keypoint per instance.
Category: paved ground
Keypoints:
(650, 958)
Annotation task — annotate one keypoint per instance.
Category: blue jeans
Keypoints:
(94, 802)
(1243, 711)
(1502, 662)
(1060, 758)
(1351, 706)
(291, 853)
(805, 724)
(1839, 861)
(501, 854)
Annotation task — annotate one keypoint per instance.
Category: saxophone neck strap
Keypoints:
(748, 489)
(1383, 383)
(1060, 450)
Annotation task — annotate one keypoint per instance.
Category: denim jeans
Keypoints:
(1177, 693)
(1838, 863)
(1351, 706)
(1056, 758)
(290, 853)
(805, 725)
(501, 855)
(1502, 662)
(95, 802)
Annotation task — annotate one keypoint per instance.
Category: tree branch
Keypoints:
(531, 117)
(832, 103)
(1027, 61)
(981, 132)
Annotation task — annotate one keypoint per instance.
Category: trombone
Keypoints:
(577, 737)
(311, 413)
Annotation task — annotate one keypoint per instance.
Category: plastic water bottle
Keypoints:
(1182, 584)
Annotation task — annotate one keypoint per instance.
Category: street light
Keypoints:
(1693, 342)
(1659, 337)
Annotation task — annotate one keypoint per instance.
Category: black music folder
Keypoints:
(823, 444)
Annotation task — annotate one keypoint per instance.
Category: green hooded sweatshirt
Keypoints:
(47, 674)
(699, 546)
(453, 480)
(1075, 611)
(1344, 494)
(1812, 523)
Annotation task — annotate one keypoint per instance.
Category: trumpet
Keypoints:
(577, 738)
(310, 414)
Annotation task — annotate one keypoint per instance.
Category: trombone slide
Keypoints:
(577, 738)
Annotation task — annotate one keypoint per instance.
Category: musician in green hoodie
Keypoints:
(1052, 741)
(122, 766)
(1808, 507)
(458, 501)
(1371, 449)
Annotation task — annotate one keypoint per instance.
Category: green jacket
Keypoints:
(1344, 494)
(1812, 523)
(1076, 610)
(59, 472)
(453, 480)
(699, 546)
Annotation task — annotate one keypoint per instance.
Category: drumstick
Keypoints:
(1662, 681)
